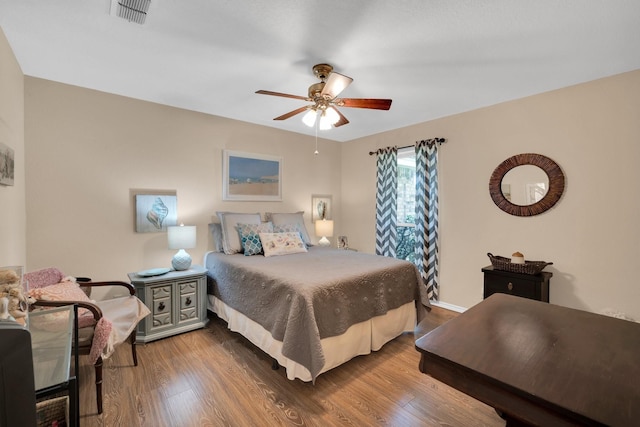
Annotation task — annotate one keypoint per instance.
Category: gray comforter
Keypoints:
(302, 298)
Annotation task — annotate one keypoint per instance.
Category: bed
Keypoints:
(314, 310)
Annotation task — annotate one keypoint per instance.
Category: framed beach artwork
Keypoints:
(251, 177)
(320, 207)
(155, 212)
(7, 165)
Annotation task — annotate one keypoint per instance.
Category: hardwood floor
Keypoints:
(215, 377)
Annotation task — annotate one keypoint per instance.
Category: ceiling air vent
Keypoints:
(131, 10)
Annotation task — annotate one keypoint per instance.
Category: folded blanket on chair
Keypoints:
(101, 338)
(120, 315)
(123, 314)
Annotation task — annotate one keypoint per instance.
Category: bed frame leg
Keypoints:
(275, 365)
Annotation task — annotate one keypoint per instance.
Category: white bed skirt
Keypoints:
(359, 339)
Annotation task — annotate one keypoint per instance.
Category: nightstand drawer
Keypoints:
(188, 287)
(188, 314)
(522, 285)
(507, 285)
(161, 310)
(188, 306)
(161, 319)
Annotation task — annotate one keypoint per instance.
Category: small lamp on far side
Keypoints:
(181, 237)
(324, 228)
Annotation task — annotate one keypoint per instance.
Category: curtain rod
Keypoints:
(438, 140)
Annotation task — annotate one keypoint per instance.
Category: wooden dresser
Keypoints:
(522, 285)
(539, 364)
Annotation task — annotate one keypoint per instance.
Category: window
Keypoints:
(406, 204)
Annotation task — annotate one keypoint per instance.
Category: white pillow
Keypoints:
(295, 218)
(215, 228)
(275, 244)
(230, 238)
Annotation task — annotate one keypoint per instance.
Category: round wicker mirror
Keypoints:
(553, 194)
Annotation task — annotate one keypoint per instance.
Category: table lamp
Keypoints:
(324, 228)
(181, 237)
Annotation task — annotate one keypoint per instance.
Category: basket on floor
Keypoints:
(505, 264)
(53, 412)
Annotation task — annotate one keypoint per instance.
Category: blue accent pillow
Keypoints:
(250, 238)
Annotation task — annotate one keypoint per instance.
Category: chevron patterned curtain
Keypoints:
(427, 214)
(386, 194)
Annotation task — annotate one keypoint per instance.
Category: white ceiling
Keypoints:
(433, 58)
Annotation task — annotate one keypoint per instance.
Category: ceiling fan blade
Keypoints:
(335, 84)
(374, 104)
(292, 113)
(343, 120)
(285, 95)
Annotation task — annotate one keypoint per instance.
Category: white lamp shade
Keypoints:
(324, 228)
(181, 236)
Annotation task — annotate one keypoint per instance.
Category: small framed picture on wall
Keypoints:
(7, 164)
(320, 207)
(155, 212)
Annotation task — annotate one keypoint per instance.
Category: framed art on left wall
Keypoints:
(155, 212)
(7, 165)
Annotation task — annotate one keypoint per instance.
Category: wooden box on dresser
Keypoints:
(519, 284)
(177, 301)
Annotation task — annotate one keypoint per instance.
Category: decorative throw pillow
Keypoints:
(215, 228)
(44, 277)
(250, 239)
(287, 228)
(65, 291)
(296, 218)
(229, 222)
(282, 243)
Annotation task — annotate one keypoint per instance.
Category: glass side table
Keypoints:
(53, 334)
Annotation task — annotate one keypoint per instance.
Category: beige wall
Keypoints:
(87, 151)
(592, 236)
(12, 198)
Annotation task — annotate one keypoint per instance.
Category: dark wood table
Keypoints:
(538, 363)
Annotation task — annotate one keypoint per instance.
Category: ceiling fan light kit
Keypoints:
(309, 118)
(328, 118)
(324, 96)
(324, 124)
(331, 114)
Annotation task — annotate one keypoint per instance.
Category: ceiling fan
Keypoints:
(324, 99)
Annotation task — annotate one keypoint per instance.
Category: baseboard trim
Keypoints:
(448, 306)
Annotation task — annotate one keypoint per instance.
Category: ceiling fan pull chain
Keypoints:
(316, 152)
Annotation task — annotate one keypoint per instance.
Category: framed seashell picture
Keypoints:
(320, 206)
(155, 212)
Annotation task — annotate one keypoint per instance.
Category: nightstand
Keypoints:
(177, 301)
(522, 285)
